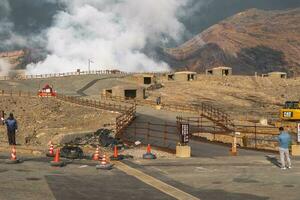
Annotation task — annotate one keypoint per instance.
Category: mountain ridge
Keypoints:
(250, 41)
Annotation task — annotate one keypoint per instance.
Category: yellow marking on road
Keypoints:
(165, 188)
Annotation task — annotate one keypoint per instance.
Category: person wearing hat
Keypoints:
(12, 128)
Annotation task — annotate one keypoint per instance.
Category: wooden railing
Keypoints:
(94, 103)
(124, 120)
(65, 74)
(17, 93)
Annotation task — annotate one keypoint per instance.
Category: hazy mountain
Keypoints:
(250, 41)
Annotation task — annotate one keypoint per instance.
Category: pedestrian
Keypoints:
(158, 100)
(12, 128)
(284, 140)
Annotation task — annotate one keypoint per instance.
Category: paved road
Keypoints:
(199, 149)
(35, 179)
(218, 178)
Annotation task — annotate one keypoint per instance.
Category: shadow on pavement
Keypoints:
(273, 160)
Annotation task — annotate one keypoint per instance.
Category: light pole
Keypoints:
(90, 61)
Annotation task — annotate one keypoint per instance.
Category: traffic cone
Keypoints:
(115, 151)
(148, 154)
(57, 162)
(116, 156)
(104, 164)
(148, 149)
(13, 157)
(56, 158)
(103, 161)
(96, 154)
(51, 150)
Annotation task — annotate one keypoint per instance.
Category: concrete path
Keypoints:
(148, 114)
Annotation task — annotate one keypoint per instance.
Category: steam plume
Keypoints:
(113, 34)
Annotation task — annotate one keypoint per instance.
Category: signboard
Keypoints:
(298, 132)
(185, 133)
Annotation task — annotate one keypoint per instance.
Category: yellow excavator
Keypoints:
(290, 111)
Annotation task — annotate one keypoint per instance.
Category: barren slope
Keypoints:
(240, 96)
(48, 117)
(250, 41)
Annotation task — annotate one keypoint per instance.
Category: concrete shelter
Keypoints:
(183, 76)
(219, 71)
(277, 75)
(126, 91)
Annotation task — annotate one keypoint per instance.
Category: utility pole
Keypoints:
(90, 61)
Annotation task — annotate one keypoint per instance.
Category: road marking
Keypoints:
(165, 188)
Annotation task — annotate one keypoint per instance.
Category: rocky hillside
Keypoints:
(250, 41)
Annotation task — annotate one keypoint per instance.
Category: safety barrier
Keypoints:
(17, 93)
(93, 103)
(206, 110)
(66, 74)
(125, 119)
(151, 133)
(251, 136)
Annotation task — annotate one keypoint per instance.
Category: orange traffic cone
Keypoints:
(148, 149)
(104, 164)
(103, 161)
(57, 162)
(148, 154)
(116, 156)
(51, 150)
(56, 158)
(96, 154)
(115, 152)
(13, 155)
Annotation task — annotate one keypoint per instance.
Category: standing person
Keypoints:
(12, 127)
(158, 100)
(284, 139)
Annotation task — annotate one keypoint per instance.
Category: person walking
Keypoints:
(12, 128)
(284, 140)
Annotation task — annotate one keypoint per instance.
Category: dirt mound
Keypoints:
(42, 119)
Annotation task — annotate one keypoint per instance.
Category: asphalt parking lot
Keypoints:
(217, 178)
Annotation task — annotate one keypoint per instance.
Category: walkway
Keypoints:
(199, 149)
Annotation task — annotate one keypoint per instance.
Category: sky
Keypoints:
(122, 34)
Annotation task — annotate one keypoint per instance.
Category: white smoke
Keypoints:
(112, 33)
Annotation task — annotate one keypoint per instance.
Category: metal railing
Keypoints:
(204, 109)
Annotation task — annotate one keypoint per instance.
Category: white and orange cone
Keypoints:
(96, 154)
(104, 164)
(13, 155)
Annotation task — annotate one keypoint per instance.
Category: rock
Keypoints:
(137, 143)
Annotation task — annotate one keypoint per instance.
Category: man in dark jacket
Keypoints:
(12, 127)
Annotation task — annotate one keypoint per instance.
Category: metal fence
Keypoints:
(251, 136)
(203, 109)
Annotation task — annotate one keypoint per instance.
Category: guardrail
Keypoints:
(151, 133)
(17, 93)
(93, 103)
(252, 136)
(65, 74)
(206, 110)
(125, 119)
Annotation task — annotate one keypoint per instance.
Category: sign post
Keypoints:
(185, 133)
(182, 149)
(298, 133)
